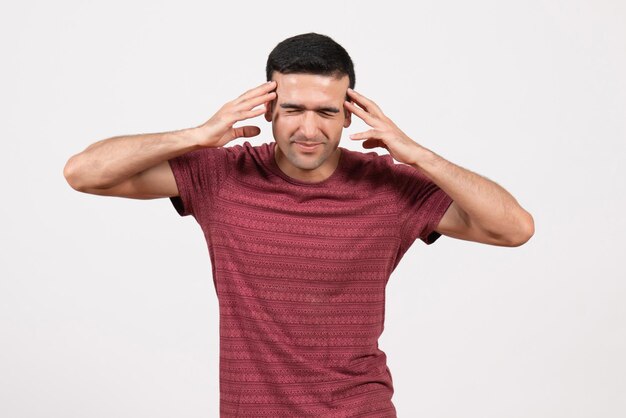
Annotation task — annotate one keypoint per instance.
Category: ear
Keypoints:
(348, 118)
(269, 106)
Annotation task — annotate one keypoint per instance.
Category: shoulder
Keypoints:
(369, 161)
(384, 168)
(368, 169)
(239, 153)
(247, 150)
(248, 159)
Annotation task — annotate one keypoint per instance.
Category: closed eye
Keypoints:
(298, 111)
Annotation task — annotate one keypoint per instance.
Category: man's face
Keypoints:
(308, 109)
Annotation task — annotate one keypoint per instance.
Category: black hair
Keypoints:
(310, 53)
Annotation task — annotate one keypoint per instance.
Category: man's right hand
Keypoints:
(137, 166)
(218, 131)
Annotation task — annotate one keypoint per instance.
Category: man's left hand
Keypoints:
(384, 132)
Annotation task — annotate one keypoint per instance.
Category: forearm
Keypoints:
(108, 162)
(485, 204)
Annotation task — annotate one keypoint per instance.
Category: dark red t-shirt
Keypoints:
(300, 271)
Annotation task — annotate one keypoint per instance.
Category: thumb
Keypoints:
(245, 131)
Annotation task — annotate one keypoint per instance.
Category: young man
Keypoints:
(303, 234)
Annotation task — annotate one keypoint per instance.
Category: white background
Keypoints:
(107, 305)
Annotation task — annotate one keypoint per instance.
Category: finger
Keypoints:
(262, 89)
(239, 132)
(372, 133)
(243, 115)
(255, 101)
(367, 118)
(245, 131)
(365, 103)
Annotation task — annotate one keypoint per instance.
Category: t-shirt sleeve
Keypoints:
(198, 175)
(421, 205)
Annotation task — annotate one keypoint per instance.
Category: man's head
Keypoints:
(310, 53)
(313, 73)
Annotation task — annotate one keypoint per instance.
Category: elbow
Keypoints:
(525, 231)
(72, 175)
(69, 174)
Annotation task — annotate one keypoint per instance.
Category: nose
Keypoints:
(308, 127)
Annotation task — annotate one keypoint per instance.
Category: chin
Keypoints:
(308, 165)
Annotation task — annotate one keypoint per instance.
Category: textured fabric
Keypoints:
(300, 271)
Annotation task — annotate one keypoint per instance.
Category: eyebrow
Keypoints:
(330, 109)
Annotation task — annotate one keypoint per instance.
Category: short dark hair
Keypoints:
(310, 53)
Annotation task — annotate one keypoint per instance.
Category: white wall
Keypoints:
(107, 306)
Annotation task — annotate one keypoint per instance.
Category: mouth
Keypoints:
(308, 146)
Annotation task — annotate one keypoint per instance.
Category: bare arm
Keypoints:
(108, 162)
(481, 211)
(137, 166)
